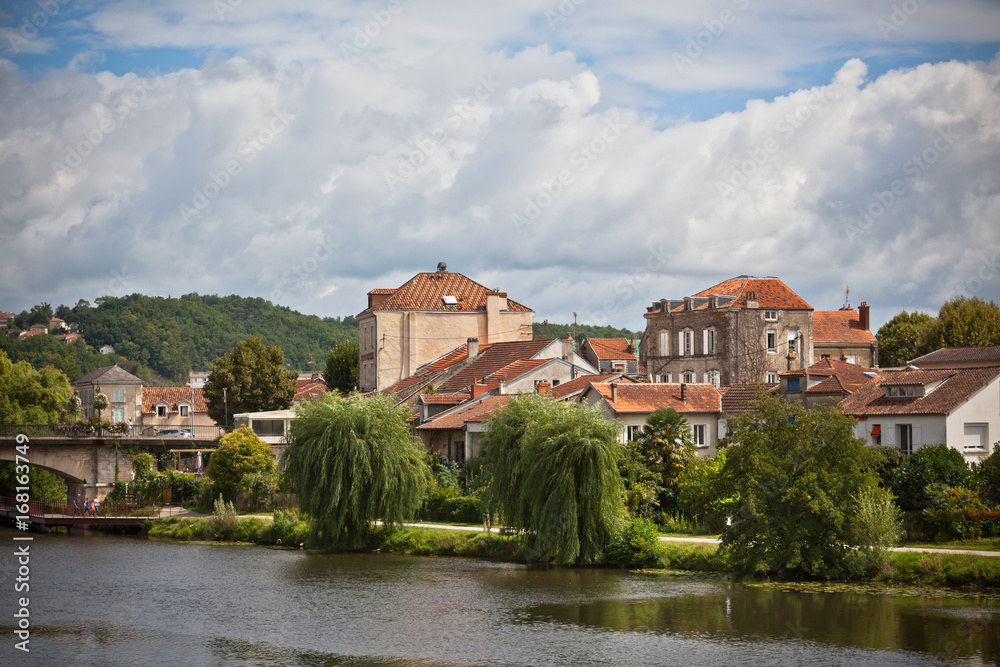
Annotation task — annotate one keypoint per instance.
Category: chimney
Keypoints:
(502, 388)
(473, 347)
(477, 389)
(683, 392)
(614, 393)
(863, 313)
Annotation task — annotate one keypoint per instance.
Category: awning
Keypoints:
(876, 430)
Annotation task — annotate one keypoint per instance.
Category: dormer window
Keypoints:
(161, 410)
(450, 300)
(907, 391)
(183, 410)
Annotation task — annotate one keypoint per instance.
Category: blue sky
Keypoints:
(308, 154)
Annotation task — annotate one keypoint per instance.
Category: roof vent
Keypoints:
(442, 267)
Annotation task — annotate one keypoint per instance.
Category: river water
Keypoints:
(108, 600)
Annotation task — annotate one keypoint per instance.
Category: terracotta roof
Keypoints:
(740, 398)
(579, 384)
(456, 418)
(308, 389)
(110, 374)
(770, 293)
(429, 371)
(425, 291)
(444, 399)
(172, 396)
(840, 376)
(611, 348)
(988, 354)
(839, 326)
(957, 386)
(494, 359)
(647, 397)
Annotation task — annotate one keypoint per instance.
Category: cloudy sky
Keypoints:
(583, 156)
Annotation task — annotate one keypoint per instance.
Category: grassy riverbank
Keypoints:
(287, 530)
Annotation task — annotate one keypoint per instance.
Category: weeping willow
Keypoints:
(553, 471)
(352, 461)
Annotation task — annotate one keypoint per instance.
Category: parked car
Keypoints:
(173, 433)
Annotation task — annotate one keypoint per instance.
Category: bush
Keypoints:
(239, 453)
(638, 545)
(933, 464)
(223, 521)
(446, 503)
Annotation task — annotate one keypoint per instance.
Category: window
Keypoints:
(793, 384)
(976, 436)
(117, 395)
(772, 341)
(876, 434)
(664, 343)
(459, 451)
(904, 392)
(714, 378)
(904, 436)
(793, 340)
(824, 356)
(618, 366)
(161, 411)
(687, 377)
(852, 359)
(772, 376)
(183, 410)
(770, 316)
(685, 343)
(117, 414)
(698, 433)
(632, 433)
(709, 341)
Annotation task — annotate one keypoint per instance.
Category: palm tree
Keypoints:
(665, 444)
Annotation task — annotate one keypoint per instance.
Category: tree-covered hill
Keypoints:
(545, 330)
(171, 336)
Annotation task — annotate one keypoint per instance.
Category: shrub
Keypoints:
(932, 464)
(223, 521)
(638, 545)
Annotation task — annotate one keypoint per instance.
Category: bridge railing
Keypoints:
(71, 430)
(128, 508)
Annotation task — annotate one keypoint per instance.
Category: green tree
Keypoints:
(553, 474)
(665, 446)
(239, 454)
(701, 497)
(900, 338)
(988, 476)
(808, 501)
(342, 367)
(354, 461)
(28, 396)
(964, 322)
(928, 465)
(250, 379)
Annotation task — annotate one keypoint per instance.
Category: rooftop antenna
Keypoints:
(847, 298)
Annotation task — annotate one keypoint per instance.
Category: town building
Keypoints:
(123, 390)
(959, 357)
(844, 335)
(612, 355)
(174, 409)
(746, 329)
(827, 382)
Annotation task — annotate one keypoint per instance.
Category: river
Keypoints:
(110, 600)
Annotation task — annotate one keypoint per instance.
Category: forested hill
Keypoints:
(171, 336)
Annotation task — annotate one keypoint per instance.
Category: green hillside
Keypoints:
(167, 337)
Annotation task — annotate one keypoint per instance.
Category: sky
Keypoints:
(584, 157)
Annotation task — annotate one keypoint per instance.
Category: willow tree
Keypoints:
(352, 461)
(553, 471)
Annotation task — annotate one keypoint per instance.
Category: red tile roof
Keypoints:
(840, 376)
(770, 293)
(647, 397)
(444, 399)
(425, 291)
(172, 396)
(840, 326)
(611, 348)
(987, 355)
(456, 418)
(957, 387)
(492, 361)
(579, 384)
(430, 371)
(740, 398)
(307, 389)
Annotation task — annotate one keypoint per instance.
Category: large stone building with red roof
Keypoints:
(746, 329)
(428, 317)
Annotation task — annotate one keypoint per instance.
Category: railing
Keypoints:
(179, 433)
(128, 508)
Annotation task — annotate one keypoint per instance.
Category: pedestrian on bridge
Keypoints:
(76, 505)
(94, 507)
(86, 507)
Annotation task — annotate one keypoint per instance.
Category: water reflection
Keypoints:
(105, 600)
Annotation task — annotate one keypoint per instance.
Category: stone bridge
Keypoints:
(88, 464)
